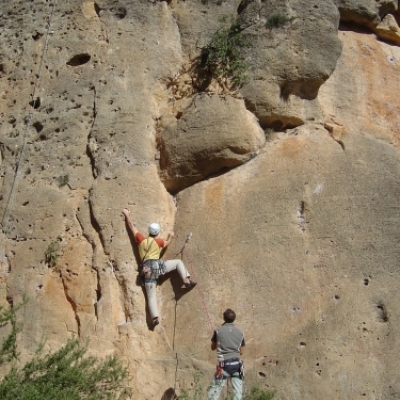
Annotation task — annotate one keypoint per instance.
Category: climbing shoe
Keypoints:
(190, 284)
(155, 321)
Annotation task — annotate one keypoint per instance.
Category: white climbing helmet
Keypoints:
(154, 229)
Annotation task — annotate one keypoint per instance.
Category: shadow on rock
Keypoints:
(177, 285)
(169, 394)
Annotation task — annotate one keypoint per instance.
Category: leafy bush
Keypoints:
(66, 374)
(277, 20)
(63, 180)
(222, 58)
(197, 392)
(8, 351)
(268, 133)
(52, 253)
(260, 394)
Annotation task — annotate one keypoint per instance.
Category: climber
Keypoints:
(151, 264)
(229, 342)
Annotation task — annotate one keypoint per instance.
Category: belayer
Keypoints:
(152, 266)
(229, 342)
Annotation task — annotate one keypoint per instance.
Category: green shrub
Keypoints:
(197, 393)
(221, 57)
(63, 180)
(52, 253)
(8, 350)
(260, 394)
(276, 21)
(66, 374)
(268, 133)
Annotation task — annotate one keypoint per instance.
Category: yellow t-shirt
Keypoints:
(149, 248)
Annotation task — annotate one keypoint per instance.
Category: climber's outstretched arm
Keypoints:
(130, 224)
(169, 238)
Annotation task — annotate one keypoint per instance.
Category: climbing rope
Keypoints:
(201, 294)
(11, 199)
(180, 252)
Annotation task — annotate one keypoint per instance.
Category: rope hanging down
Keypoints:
(180, 252)
(195, 277)
(11, 199)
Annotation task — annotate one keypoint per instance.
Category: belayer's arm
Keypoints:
(214, 341)
(241, 346)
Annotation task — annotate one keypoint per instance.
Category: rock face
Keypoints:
(291, 60)
(207, 135)
(389, 30)
(380, 17)
(368, 13)
(289, 185)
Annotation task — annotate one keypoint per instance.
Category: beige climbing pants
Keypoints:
(151, 287)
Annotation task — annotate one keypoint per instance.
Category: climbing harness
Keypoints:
(219, 373)
(152, 269)
(231, 368)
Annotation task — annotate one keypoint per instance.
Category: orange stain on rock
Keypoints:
(214, 195)
(291, 147)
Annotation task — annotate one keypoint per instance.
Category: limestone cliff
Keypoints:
(289, 184)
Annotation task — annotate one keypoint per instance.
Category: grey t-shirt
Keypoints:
(229, 340)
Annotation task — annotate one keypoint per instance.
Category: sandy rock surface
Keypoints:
(288, 184)
(289, 61)
(368, 13)
(207, 135)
